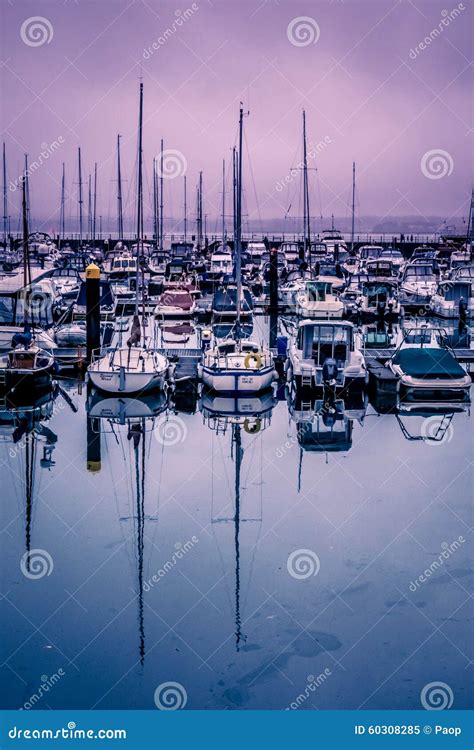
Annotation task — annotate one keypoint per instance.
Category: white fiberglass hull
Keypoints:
(129, 371)
(238, 381)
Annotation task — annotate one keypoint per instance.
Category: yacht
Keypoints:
(418, 283)
(317, 300)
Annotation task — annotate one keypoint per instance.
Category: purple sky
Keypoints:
(362, 91)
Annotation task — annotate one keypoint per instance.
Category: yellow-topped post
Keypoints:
(92, 309)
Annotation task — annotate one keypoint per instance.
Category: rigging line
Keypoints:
(254, 188)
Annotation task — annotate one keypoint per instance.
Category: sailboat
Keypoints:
(236, 365)
(26, 366)
(133, 368)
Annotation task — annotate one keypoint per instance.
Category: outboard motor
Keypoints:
(380, 309)
(330, 373)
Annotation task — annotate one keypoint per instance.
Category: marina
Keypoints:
(236, 371)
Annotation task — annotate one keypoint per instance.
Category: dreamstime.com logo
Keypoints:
(302, 564)
(37, 563)
(437, 696)
(447, 551)
(436, 164)
(47, 683)
(294, 171)
(170, 696)
(170, 430)
(313, 683)
(71, 732)
(36, 31)
(181, 551)
(447, 17)
(303, 31)
(47, 150)
(180, 20)
(434, 431)
(171, 164)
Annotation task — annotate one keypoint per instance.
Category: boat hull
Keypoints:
(126, 382)
(238, 381)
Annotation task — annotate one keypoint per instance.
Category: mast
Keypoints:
(185, 211)
(223, 203)
(139, 194)
(306, 220)
(62, 209)
(80, 197)
(238, 239)
(5, 203)
(199, 212)
(26, 251)
(119, 193)
(155, 201)
(27, 188)
(94, 213)
(89, 209)
(234, 192)
(161, 195)
(353, 204)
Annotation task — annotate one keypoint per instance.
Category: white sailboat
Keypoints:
(133, 368)
(237, 365)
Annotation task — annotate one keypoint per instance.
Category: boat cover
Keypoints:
(429, 364)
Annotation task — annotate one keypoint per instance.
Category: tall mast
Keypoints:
(238, 238)
(306, 221)
(26, 251)
(139, 193)
(80, 197)
(63, 207)
(27, 189)
(94, 213)
(5, 203)
(223, 204)
(89, 209)
(185, 211)
(353, 203)
(234, 192)
(155, 202)
(199, 222)
(161, 196)
(119, 193)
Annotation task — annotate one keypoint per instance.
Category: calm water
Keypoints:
(220, 554)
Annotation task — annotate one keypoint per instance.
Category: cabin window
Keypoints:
(7, 310)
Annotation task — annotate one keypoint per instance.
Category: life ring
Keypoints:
(253, 357)
(254, 428)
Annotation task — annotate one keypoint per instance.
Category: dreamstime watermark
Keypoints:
(171, 164)
(181, 18)
(36, 31)
(170, 430)
(312, 153)
(66, 733)
(448, 550)
(313, 683)
(170, 696)
(437, 696)
(181, 551)
(302, 564)
(436, 164)
(435, 432)
(447, 17)
(18, 447)
(36, 563)
(46, 684)
(47, 150)
(303, 31)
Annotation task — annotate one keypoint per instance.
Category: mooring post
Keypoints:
(273, 280)
(92, 309)
(93, 437)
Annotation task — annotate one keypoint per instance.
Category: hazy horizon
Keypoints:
(371, 93)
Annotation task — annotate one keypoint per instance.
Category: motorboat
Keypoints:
(234, 366)
(317, 300)
(449, 297)
(418, 283)
(426, 367)
(175, 303)
(26, 368)
(317, 344)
